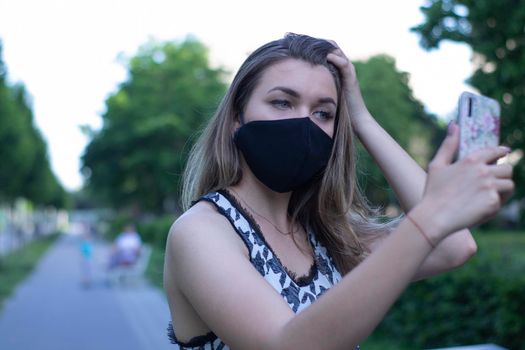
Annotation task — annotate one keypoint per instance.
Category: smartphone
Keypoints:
(479, 123)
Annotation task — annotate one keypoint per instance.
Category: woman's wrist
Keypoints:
(421, 231)
(425, 216)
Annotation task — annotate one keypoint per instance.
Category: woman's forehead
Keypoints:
(298, 75)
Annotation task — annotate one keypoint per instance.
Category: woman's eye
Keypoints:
(282, 104)
(324, 115)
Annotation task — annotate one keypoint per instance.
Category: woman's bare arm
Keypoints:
(404, 175)
(217, 278)
(243, 309)
(407, 179)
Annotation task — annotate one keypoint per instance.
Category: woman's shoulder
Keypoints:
(201, 225)
(197, 218)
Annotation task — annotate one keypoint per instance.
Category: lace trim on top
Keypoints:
(297, 292)
(193, 342)
(300, 281)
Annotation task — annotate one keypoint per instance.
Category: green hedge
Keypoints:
(482, 302)
(152, 230)
(156, 231)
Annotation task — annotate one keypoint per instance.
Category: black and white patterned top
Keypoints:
(299, 293)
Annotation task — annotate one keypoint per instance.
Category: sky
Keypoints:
(68, 53)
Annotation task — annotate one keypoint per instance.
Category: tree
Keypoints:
(389, 98)
(25, 170)
(136, 159)
(15, 146)
(495, 31)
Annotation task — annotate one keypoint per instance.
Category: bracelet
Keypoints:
(421, 230)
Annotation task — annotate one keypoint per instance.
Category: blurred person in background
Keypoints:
(126, 247)
(86, 251)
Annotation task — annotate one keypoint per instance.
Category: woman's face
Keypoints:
(294, 88)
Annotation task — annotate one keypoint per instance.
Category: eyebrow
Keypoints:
(295, 94)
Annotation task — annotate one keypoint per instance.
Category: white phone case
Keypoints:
(479, 123)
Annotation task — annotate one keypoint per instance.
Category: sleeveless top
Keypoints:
(298, 293)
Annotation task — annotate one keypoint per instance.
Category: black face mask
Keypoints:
(284, 154)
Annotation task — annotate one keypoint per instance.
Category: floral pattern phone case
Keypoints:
(479, 123)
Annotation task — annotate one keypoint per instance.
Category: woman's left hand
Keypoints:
(359, 113)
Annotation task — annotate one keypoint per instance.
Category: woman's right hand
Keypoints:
(465, 193)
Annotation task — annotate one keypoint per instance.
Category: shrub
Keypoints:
(482, 302)
(155, 231)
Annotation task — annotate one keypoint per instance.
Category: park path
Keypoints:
(52, 310)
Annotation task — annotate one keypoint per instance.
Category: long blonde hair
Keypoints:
(333, 207)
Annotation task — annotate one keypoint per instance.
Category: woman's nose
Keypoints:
(304, 112)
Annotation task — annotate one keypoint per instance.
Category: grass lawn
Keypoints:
(509, 244)
(16, 266)
(378, 342)
(155, 267)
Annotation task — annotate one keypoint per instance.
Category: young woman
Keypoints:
(278, 249)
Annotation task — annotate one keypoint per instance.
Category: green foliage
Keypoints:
(389, 98)
(25, 170)
(117, 224)
(153, 230)
(494, 30)
(482, 302)
(136, 159)
(155, 270)
(379, 341)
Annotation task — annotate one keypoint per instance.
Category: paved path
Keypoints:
(52, 310)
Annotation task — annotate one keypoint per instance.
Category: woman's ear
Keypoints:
(236, 123)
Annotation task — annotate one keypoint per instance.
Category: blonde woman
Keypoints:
(278, 249)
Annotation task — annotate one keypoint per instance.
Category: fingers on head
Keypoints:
(338, 60)
(333, 43)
